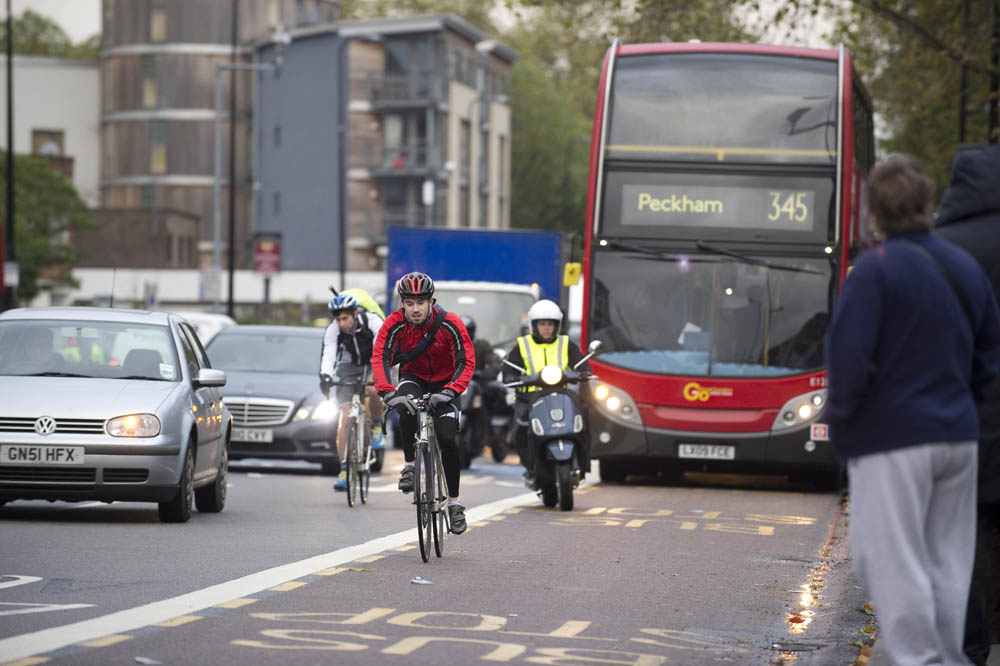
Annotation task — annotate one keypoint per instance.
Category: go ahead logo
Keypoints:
(695, 392)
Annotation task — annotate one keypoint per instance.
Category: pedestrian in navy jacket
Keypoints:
(913, 346)
(969, 216)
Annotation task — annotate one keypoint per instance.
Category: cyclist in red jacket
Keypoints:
(435, 355)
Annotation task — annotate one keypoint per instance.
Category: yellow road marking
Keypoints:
(689, 526)
(480, 523)
(28, 661)
(515, 509)
(594, 511)
(178, 621)
(330, 572)
(369, 558)
(711, 514)
(107, 640)
(403, 549)
(495, 518)
(287, 587)
(236, 603)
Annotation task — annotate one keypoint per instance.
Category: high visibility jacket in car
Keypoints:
(537, 355)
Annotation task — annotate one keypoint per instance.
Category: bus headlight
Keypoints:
(551, 375)
(616, 404)
(800, 410)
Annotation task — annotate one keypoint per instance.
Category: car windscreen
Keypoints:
(266, 352)
(706, 314)
(105, 349)
(724, 107)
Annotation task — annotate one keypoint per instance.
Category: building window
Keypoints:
(149, 88)
(158, 24)
(48, 143)
(157, 147)
(147, 196)
(277, 135)
(276, 202)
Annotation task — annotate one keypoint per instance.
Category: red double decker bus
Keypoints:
(724, 208)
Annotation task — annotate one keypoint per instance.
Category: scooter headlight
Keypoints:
(551, 375)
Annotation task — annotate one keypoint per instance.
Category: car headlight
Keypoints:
(134, 425)
(325, 411)
(551, 375)
(800, 410)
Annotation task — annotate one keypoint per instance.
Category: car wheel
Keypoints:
(212, 498)
(178, 508)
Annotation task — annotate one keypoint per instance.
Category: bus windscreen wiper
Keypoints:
(746, 259)
(628, 247)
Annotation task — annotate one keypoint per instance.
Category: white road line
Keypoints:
(47, 640)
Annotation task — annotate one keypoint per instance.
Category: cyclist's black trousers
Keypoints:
(445, 428)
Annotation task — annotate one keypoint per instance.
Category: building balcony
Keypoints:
(405, 217)
(414, 159)
(406, 90)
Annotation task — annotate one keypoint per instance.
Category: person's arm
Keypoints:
(383, 349)
(328, 357)
(574, 357)
(986, 354)
(462, 352)
(850, 345)
(510, 374)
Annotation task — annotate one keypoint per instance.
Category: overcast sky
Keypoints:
(78, 18)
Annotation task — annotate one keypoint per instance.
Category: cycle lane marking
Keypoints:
(119, 622)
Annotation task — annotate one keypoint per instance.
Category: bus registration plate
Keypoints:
(707, 451)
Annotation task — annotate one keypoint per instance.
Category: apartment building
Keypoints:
(381, 122)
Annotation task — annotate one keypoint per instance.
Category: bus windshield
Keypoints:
(724, 107)
(710, 314)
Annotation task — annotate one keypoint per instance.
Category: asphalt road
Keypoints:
(712, 570)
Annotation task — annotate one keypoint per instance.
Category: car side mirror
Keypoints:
(210, 377)
(595, 346)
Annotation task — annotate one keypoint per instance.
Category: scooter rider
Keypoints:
(346, 355)
(435, 356)
(544, 346)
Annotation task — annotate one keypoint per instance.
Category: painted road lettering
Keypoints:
(494, 641)
(759, 524)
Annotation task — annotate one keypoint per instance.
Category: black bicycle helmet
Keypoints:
(415, 285)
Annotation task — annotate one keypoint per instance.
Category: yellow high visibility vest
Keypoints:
(536, 356)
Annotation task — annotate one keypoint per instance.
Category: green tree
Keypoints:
(35, 34)
(47, 208)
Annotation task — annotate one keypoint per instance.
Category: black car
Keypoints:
(272, 391)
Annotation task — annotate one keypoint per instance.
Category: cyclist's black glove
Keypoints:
(400, 402)
(443, 398)
(325, 381)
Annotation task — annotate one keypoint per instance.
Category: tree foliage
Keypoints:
(35, 34)
(47, 208)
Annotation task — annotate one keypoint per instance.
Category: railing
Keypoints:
(415, 86)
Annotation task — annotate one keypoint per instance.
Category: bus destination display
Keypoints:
(718, 207)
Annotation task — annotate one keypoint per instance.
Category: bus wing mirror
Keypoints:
(595, 347)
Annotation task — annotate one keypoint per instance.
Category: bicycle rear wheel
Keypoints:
(441, 522)
(421, 492)
(364, 468)
(352, 466)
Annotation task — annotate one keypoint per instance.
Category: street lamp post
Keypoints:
(281, 40)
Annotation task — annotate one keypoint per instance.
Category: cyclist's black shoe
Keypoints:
(406, 479)
(456, 515)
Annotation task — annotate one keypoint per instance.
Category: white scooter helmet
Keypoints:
(544, 310)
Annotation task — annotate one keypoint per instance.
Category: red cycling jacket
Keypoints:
(449, 358)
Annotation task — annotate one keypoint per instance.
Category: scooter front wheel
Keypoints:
(564, 487)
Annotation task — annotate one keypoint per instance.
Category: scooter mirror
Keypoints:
(595, 346)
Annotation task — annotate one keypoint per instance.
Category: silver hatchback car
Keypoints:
(103, 404)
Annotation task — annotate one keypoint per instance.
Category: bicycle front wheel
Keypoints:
(352, 463)
(421, 498)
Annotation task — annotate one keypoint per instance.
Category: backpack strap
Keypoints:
(406, 357)
(963, 299)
